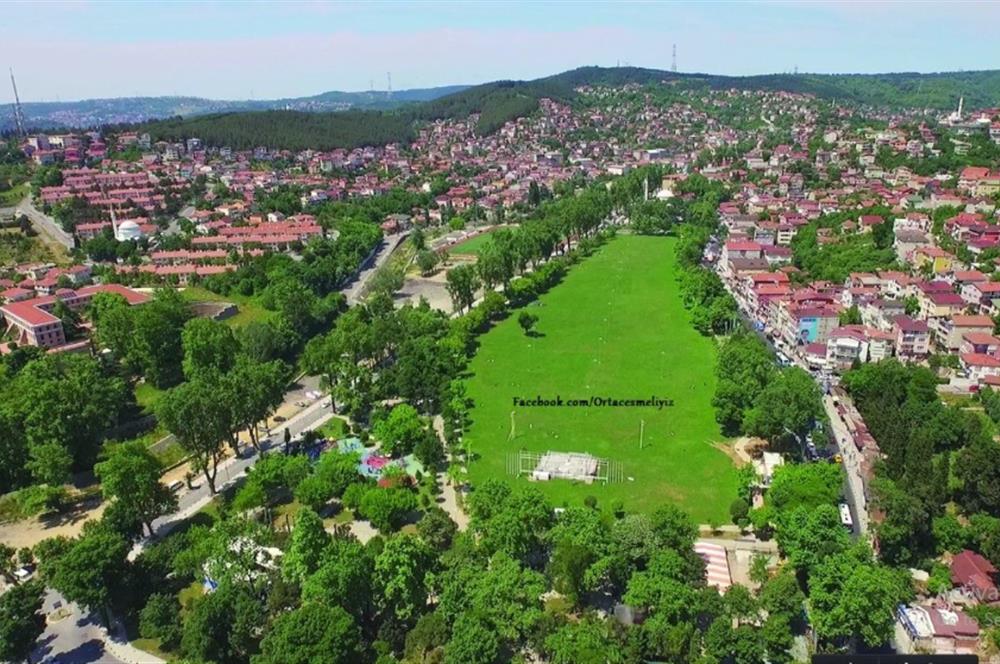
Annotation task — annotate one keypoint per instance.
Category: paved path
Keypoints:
(355, 291)
(233, 468)
(73, 637)
(449, 495)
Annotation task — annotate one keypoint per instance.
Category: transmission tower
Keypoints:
(388, 78)
(18, 111)
(673, 62)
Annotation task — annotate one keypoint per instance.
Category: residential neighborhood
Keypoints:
(616, 365)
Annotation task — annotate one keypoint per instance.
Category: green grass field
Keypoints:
(470, 247)
(249, 309)
(616, 327)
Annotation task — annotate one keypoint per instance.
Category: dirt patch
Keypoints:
(730, 451)
(30, 532)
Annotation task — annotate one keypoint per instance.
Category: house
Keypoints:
(938, 629)
(907, 241)
(937, 259)
(912, 338)
(978, 342)
(809, 324)
(953, 329)
(856, 343)
(31, 322)
(978, 366)
(981, 293)
(976, 577)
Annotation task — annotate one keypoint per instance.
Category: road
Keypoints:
(852, 466)
(45, 225)
(355, 291)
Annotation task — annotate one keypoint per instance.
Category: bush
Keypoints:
(739, 510)
(314, 492)
(387, 509)
(160, 619)
(355, 494)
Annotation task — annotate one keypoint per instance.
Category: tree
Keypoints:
(309, 540)
(160, 619)
(978, 466)
(436, 528)
(427, 260)
(344, 578)
(567, 568)
(807, 537)
(21, 620)
(201, 421)
(223, 626)
(209, 347)
(790, 402)
(590, 641)
(387, 509)
(850, 316)
(66, 399)
(424, 643)
(400, 569)
(312, 633)
(471, 643)
(49, 463)
(253, 391)
(155, 346)
(400, 430)
(69, 318)
(852, 597)
(91, 570)
(745, 367)
(387, 280)
(505, 596)
(131, 477)
(527, 321)
(462, 284)
(805, 485)
(781, 595)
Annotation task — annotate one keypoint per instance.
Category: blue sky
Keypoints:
(237, 50)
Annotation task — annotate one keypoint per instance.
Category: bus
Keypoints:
(845, 517)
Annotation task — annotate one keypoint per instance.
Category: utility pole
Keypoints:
(18, 111)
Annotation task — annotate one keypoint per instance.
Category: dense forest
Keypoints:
(293, 130)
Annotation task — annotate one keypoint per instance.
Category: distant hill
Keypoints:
(123, 110)
(501, 101)
(375, 119)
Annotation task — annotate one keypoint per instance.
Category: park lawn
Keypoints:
(472, 246)
(334, 429)
(147, 396)
(250, 311)
(616, 327)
